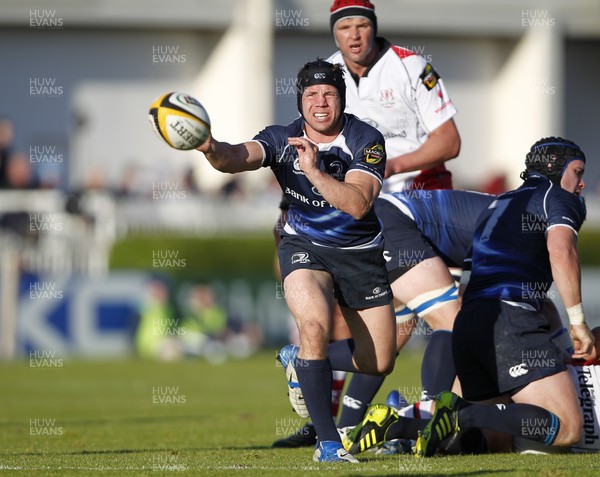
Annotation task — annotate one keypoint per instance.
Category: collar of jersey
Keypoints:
(383, 46)
(339, 141)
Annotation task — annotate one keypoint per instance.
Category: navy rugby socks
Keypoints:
(437, 368)
(361, 391)
(314, 376)
(519, 420)
(340, 355)
(406, 428)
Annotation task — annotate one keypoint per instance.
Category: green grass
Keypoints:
(245, 255)
(106, 418)
(220, 255)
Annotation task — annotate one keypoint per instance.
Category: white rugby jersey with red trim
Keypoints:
(403, 96)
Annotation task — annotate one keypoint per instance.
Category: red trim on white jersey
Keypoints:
(402, 52)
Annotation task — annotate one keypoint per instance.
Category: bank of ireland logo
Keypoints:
(300, 257)
(374, 154)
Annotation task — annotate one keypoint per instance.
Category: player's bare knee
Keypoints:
(313, 340)
(383, 367)
(567, 438)
(570, 431)
(385, 370)
(314, 331)
(376, 367)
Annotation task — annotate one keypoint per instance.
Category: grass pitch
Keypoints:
(140, 418)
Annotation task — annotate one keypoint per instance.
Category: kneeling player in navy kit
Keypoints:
(551, 162)
(525, 241)
(402, 423)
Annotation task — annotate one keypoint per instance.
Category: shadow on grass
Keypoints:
(127, 420)
(413, 467)
(444, 473)
(137, 451)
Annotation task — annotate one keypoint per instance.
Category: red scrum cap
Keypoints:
(353, 8)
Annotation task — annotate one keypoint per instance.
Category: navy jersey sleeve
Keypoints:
(273, 140)
(565, 209)
(368, 148)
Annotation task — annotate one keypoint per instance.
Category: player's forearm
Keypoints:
(228, 158)
(442, 145)
(343, 196)
(566, 274)
(412, 161)
(429, 155)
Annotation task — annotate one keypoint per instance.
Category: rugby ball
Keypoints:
(180, 120)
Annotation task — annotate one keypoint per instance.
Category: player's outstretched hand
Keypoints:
(307, 153)
(206, 145)
(583, 340)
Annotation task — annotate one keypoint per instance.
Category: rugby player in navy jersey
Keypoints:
(399, 92)
(330, 166)
(526, 241)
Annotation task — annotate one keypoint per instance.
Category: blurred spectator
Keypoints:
(157, 325)
(189, 181)
(7, 134)
(19, 173)
(204, 324)
(209, 331)
(95, 179)
(204, 314)
(232, 190)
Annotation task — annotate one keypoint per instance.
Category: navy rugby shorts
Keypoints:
(500, 348)
(405, 245)
(359, 275)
